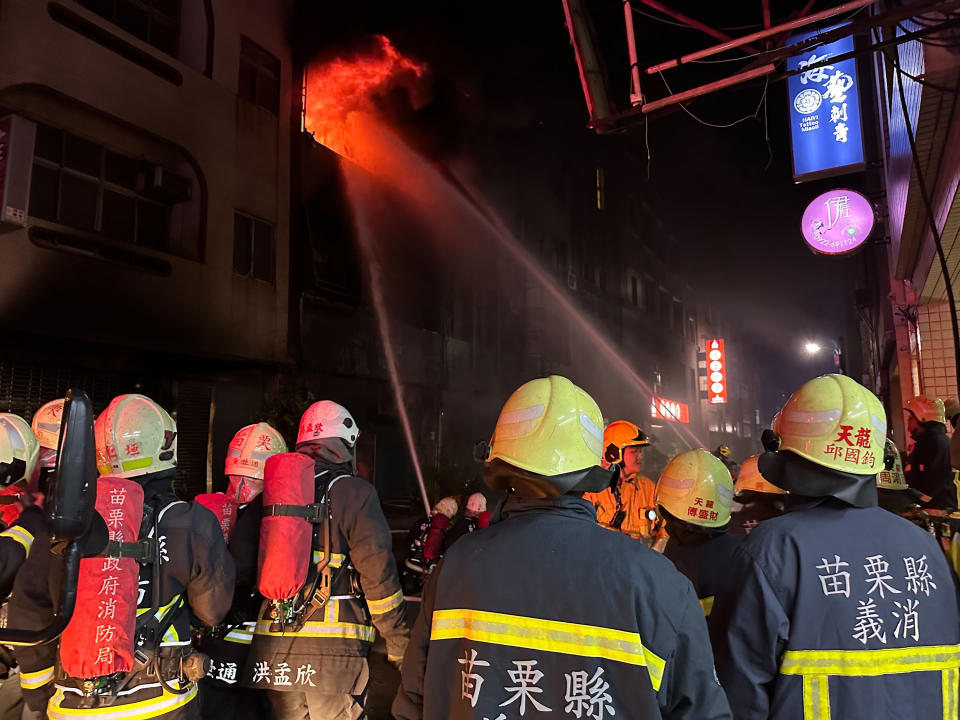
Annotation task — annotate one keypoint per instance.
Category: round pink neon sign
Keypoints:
(837, 222)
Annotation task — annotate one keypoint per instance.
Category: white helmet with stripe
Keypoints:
(135, 436)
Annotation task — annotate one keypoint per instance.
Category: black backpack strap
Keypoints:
(143, 551)
(312, 513)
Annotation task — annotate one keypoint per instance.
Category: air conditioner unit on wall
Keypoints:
(16, 164)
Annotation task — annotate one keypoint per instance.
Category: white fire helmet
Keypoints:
(19, 450)
(250, 448)
(135, 436)
(446, 506)
(46, 428)
(327, 419)
(476, 504)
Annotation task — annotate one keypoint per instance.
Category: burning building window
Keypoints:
(259, 76)
(253, 248)
(85, 186)
(156, 22)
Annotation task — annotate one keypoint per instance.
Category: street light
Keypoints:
(836, 346)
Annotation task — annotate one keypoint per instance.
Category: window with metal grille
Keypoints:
(156, 22)
(253, 247)
(24, 387)
(83, 185)
(259, 80)
(193, 403)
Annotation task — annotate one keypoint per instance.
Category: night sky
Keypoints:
(727, 198)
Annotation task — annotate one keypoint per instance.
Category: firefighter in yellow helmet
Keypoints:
(627, 506)
(694, 496)
(838, 608)
(928, 461)
(545, 598)
(756, 498)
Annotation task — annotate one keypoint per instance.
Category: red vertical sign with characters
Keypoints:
(716, 372)
(100, 637)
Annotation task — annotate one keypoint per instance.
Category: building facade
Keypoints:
(145, 227)
(916, 353)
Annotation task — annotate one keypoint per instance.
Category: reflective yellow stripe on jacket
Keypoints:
(348, 631)
(170, 636)
(707, 605)
(379, 607)
(165, 703)
(336, 559)
(816, 667)
(34, 680)
(19, 534)
(549, 636)
(242, 635)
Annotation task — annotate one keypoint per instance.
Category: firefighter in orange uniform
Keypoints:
(627, 506)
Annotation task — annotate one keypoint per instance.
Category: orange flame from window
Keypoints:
(337, 89)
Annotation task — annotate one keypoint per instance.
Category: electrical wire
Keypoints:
(638, 11)
(754, 116)
(931, 221)
(929, 41)
(916, 78)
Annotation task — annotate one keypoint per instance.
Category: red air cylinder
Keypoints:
(99, 639)
(439, 524)
(224, 509)
(285, 542)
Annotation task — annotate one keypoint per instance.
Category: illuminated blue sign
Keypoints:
(825, 123)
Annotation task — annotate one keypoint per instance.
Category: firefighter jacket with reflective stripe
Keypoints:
(840, 612)
(196, 576)
(15, 544)
(329, 653)
(549, 612)
(706, 564)
(229, 643)
(928, 465)
(30, 607)
(636, 496)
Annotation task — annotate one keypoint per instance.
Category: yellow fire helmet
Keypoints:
(621, 434)
(250, 448)
(696, 487)
(749, 479)
(835, 422)
(892, 477)
(926, 408)
(134, 436)
(548, 438)
(19, 450)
